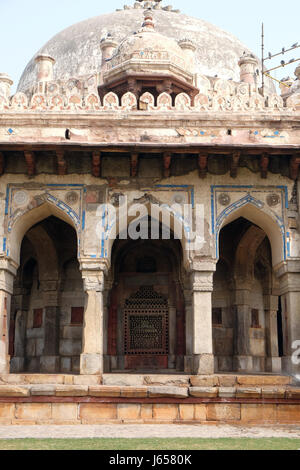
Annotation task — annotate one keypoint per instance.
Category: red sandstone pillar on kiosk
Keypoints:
(7, 274)
(91, 359)
(200, 327)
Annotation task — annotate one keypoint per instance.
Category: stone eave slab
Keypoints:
(127, 147)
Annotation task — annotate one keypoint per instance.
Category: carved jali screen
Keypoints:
(146, 323)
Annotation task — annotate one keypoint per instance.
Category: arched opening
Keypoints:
(146, 312)
(22, 225)
(48, 301)
(265, 222)
(245, 299)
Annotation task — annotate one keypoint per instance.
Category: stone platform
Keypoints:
(148, 399)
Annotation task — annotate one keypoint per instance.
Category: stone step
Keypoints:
(153, 392)
(136, 380)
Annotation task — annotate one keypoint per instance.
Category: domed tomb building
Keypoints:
(149, 205)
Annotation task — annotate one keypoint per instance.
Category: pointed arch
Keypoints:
(24, 222)
(177, 226)
(251, 210)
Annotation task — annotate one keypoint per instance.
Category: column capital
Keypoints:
(93, 281)
(8, 271)
(93, 274)
(201, 264)
(94, 265)
(202, 281)
(288, 266)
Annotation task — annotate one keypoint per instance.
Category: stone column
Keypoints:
(242, 360)
(202, 359)
(273, 363)
(188, 358)
(7, 274)
(17, 362)
(50, 360)
(91, 359)
(289, 277)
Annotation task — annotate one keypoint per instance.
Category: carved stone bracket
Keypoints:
(61, 163)
(234, 164)
(134, 87)
(202, 165)
(134, 161)
(264, 164)
(96, 164)
(2, 163)
(30, 162)
(294, 167)
(167, 164)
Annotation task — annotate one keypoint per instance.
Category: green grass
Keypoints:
(150, 444)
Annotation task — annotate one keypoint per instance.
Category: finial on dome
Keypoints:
(148, 24)
(150, 4)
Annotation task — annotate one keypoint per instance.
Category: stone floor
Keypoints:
(147, 431)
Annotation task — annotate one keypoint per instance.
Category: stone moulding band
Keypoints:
(163, 400)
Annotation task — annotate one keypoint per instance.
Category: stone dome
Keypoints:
(150, 40)
(77, 48)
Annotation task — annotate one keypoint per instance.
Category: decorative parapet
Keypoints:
(214, 96)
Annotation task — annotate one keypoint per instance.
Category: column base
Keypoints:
(91, 364)
(199, 364)
(273, 364)
(243, 363)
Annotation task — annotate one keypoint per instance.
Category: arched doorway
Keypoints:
(146, 313)
(245, 301)
(48, 301)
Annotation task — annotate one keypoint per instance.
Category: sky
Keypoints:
(26, 25)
